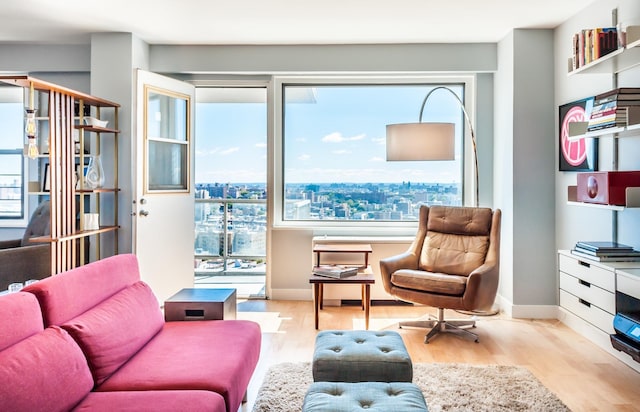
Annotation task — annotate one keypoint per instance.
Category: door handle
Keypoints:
(144, 213)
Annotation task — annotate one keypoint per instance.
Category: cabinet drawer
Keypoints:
(629, 285)
(590, 313)
(587, 271)
(593, 294)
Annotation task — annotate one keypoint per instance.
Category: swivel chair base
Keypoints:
(441, 325)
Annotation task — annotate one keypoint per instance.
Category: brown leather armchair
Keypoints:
(20, 259)
(453, 263)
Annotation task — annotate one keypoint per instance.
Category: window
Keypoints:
(230, 182)
(12, 166)
(334, 160)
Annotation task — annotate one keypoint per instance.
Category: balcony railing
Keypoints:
(230, 237)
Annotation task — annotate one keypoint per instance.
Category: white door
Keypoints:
(164, 190)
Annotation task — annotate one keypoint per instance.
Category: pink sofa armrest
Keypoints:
(20, 318)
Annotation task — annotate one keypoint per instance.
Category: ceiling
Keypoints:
(279, 21)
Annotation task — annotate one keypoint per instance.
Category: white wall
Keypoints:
(503, 165)
(524, 172)
(114, 57)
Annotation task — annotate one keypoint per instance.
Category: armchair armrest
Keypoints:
(482, 286)
(406, 260)
(8, 244)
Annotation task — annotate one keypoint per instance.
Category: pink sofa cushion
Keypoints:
(215, 355)
(116, 329)
(156, 401)
(69, 294)
(20, 318)
(45, 372)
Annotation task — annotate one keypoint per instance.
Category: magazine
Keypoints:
(335, 271)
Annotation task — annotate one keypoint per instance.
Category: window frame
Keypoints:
(11, 94)
(9, 220)
(353, 227)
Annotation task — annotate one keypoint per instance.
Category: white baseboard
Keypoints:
(291, 294)
(527, 311)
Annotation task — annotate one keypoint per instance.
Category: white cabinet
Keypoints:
(588, 291)
(587, 294)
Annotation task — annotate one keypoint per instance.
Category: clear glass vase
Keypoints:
(95, 173)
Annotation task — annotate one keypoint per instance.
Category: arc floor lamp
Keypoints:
(428, 141)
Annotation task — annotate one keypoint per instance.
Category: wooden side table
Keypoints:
(364, 277)
(201, 304)
(364, 248)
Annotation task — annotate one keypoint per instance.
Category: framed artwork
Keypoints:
(46, 179)
(578, 155)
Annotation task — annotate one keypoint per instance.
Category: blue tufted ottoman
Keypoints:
(361, 356)
(372, 396)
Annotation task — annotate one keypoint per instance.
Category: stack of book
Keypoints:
(592, 44)
(335, 271)
(606, 251)
(615, 108)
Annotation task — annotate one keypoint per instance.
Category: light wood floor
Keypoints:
(583, 376)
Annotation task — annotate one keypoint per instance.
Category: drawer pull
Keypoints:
(585, 264)
(584, 302)
(584, 283)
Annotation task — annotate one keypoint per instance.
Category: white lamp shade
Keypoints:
(420, 141)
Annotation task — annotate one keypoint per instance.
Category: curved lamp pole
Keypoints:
(473, 135)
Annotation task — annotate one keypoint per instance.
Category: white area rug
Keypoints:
(446, 387)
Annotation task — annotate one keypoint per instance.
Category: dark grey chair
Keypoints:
(20, 259)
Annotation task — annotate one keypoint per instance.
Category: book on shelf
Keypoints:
(629, 257)
(611, 253)
(591, 44)
(618, 117)
(335, 271)
(603, 246)
(621, 93)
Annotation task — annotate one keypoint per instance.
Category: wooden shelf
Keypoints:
(96, 129)
(632, 199)
(98, 190)
(77, 235)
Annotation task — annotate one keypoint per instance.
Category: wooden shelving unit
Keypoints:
(68, 202)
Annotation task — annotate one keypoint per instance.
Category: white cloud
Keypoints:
(304, 157)
(379, 140)
(341, 152)
(377, 159)
(337, 137)
(261, 145)
(229, 151)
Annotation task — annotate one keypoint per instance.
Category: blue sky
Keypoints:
(11, 133)
(338, 138)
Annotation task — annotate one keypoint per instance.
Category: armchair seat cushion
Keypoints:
(430, 282)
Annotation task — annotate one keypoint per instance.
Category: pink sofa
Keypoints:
(94, 338)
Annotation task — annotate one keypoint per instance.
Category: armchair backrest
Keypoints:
(39, 223)
(456, 239)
